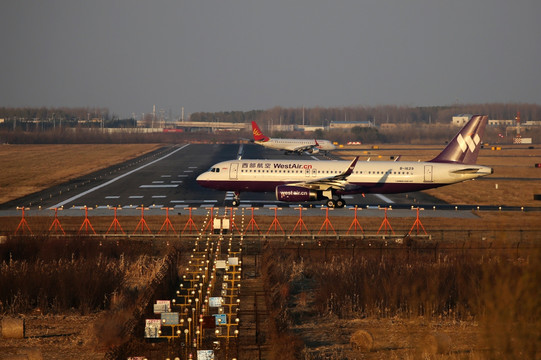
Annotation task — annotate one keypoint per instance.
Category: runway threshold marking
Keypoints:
(62, 203)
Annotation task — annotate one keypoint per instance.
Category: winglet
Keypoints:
(351, 167)
(258, 135)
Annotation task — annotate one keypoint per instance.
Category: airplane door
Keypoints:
(233, 171)
(428, 173)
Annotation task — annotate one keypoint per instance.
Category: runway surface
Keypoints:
(166, 178)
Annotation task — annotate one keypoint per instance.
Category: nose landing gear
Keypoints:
(236, 199)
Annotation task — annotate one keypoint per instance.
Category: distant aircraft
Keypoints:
(308, 180)
(298, 146)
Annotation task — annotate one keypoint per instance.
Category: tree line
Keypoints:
(319, 116)
(316, 116)
(59, 113)
(416, 124)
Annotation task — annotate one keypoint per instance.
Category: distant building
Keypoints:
(461, 119)
(350, 124)
(511, 122)
(531, 123)
(277, 127)
(309, 128)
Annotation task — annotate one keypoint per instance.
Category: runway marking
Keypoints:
(112, 197)
(159, 196)
(165, 176)
(385, 198)
(177, 182)
(260, 201)
(229, 195)
(136, 197)
(159, 186)
(62, 203)
(188, 171)
(182, 175)
(157, 182)
(192, 167)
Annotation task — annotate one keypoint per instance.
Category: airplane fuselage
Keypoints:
(382, 177)
(294, 144)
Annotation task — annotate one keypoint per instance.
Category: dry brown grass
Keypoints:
(30, 168)
(458, 306)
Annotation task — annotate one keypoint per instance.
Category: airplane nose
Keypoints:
(200, 178)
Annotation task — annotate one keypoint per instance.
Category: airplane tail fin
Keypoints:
(465, 146)
(258, 135)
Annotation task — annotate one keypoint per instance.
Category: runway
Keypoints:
(167, 179)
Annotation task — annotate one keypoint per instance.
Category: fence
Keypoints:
(281, 228)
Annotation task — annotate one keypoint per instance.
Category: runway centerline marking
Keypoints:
(115, 179)
(384, 198)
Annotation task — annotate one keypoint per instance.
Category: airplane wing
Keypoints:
(300, 149)
(337, 182)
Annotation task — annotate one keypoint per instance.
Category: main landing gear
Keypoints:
(338, 203)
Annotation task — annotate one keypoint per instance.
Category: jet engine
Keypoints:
(313, 150)
(295, 194)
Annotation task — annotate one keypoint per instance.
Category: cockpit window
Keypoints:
(214, 169)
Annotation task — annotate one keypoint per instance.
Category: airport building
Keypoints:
(350, 124)
(461, 119)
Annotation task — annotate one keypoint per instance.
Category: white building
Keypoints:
(461, 119)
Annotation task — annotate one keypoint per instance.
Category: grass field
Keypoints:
(30, 168)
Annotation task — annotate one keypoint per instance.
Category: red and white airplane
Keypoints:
(298, 146)
(309, 180)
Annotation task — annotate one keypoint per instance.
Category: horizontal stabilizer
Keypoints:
(466, 171)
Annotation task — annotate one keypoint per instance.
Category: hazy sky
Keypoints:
(224, 55)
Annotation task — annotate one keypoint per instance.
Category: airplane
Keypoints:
(298, 146)
(310, 180)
